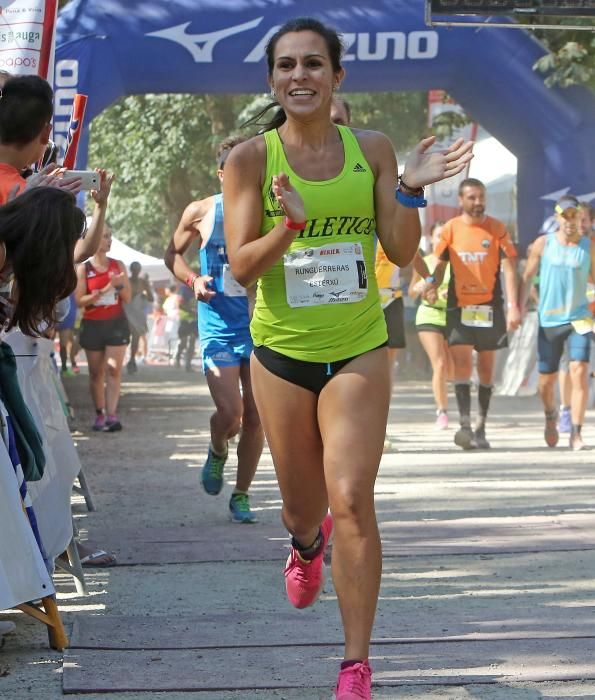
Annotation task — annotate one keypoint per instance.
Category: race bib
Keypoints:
(477, 316)
(386, 296)
(331, 274)
(583, 325)
(231, 287)
(110, 298)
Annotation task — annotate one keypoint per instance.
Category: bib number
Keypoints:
(477, 316)
(386, 296)
(583, 325)
(331, 274)
(231, 287)
(110, 298)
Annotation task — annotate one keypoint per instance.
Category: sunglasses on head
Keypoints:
(50, 155)
(569, 213)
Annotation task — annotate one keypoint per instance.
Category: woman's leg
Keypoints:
(74, 349)
(435, 347)
(289, 417)
(96, 362)
(352, 414)
(114, 358)
(65, 335)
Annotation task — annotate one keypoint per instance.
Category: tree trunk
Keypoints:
(177, 197)
(221, 112)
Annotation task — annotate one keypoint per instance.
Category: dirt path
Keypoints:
(487, 584)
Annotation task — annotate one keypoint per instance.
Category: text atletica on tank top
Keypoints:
(338, 211)
(226, 316)
(563, 277)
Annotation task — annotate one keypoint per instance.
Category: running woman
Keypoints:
(566, 260)
(305, 202)
(476, 245)
(430, 323)
(225, 344)
(102, 288)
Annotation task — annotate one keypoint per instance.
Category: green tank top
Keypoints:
(320, 302)
(436, 313)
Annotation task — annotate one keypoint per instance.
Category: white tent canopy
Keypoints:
(154, 267)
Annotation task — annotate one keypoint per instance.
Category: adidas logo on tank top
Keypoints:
(359, 168)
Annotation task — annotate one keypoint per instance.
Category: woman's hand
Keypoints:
(430, 293)
(117, 281)
(105, 185)
(423, 167)
(288, 198)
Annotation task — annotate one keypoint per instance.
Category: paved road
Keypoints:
(487, 589)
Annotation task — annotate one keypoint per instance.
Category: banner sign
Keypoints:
(27, 29)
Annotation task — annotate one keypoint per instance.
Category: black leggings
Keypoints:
(312, 376)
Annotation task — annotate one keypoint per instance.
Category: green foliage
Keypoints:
(402, 116)
(446, 123)
(571, 57)
(162, 149)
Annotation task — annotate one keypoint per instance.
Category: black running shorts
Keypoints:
(493, 338)
(97, 335)
(395, 323)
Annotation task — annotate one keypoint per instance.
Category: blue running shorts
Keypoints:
(224, 353)
(550, 346)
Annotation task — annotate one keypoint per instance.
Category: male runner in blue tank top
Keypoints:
(565, 261)
(225, 343)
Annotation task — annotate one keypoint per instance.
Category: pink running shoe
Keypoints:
(355, 682)
(442, 421)
(304, 579)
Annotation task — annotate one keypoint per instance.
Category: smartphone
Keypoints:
(89, 178)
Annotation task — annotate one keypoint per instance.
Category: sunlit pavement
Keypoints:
(487, 589)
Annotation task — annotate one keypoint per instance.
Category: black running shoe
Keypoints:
(480, 439)
(465, 438)
(112, 425)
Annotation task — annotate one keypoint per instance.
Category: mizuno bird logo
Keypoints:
(201, 45)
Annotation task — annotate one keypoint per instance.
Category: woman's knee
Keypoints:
(300, 515)
(439, 364)
(114, 370)
(351, 502)
(96, 374)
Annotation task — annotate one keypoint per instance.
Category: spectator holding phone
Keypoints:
(26, 110)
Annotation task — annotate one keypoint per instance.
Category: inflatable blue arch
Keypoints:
(112, 48)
